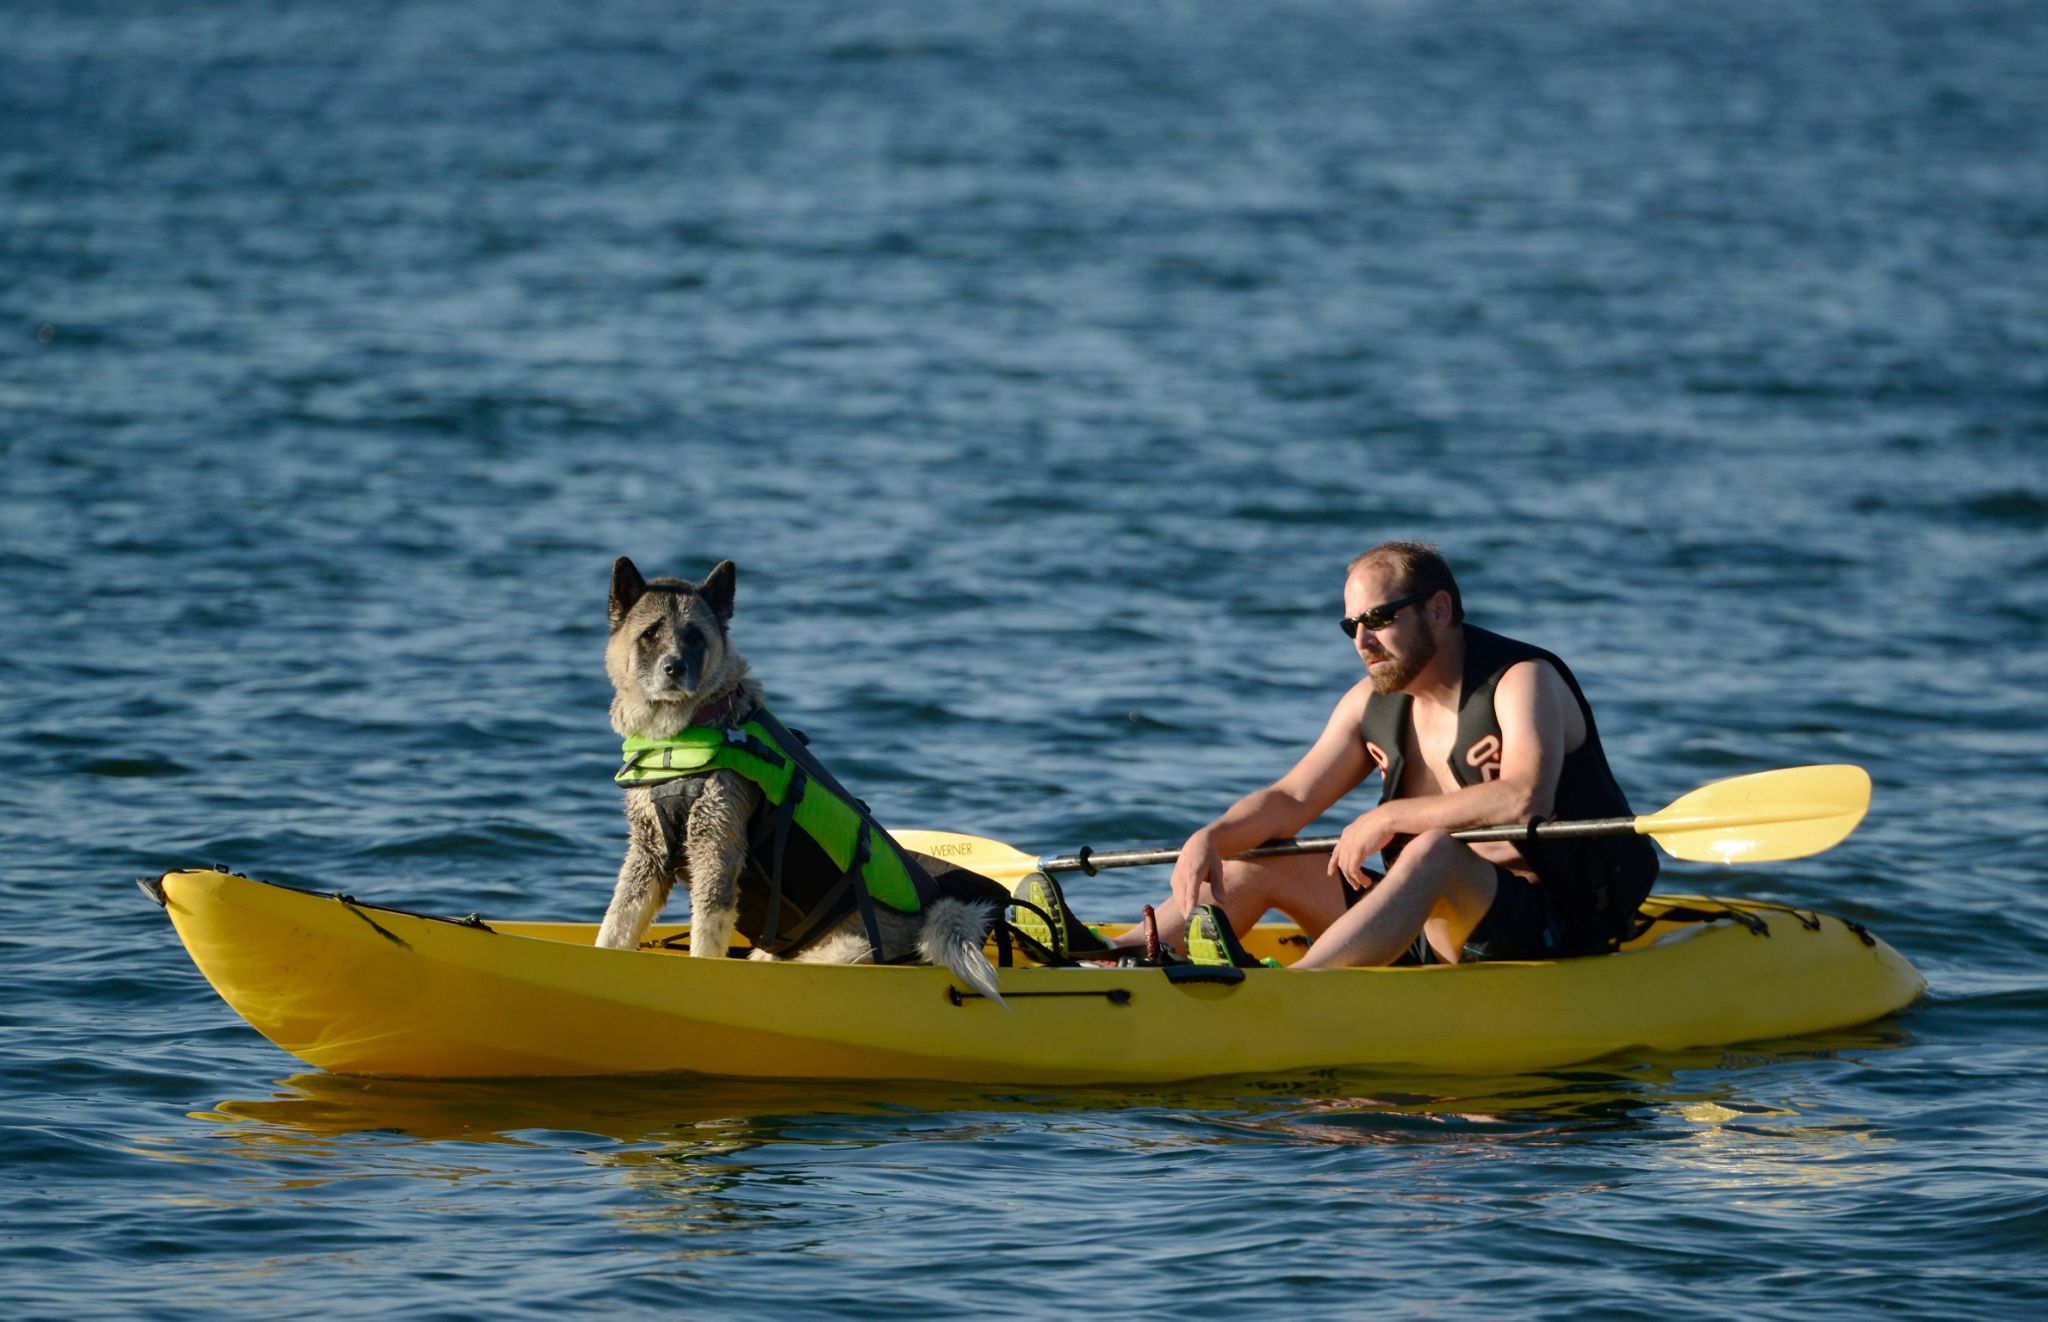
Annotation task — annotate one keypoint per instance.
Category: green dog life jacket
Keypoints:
(841, 828)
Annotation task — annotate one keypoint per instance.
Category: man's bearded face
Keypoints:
(1408, 647)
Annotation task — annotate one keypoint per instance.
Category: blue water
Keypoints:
(1040, 365)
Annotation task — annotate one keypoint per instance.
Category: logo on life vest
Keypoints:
(1378, 754)
(1485, 754)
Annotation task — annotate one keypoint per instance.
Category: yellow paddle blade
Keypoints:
(991, 858)
(1771, 815)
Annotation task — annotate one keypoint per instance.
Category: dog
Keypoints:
(683, 694)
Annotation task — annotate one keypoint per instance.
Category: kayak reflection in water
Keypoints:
(1466, 728)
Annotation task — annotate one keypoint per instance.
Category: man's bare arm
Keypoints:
(1333, 766)
(1537, 714)
(1537, 717)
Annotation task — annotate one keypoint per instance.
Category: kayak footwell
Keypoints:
(362, 989)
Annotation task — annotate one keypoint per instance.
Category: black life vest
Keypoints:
(1595, 884)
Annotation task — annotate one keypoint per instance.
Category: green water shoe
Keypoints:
(1041, 917)
(1211, 941)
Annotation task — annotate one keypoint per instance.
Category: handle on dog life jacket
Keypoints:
(798, 751)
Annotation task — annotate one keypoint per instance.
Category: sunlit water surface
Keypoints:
(1040, 364)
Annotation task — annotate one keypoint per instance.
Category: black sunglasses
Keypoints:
(1379, 617)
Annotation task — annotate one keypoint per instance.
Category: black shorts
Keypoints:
(1520, 924)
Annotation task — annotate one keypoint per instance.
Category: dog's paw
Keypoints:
(610, 938)
(711, 934)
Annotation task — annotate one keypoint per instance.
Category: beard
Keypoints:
(1400, 671)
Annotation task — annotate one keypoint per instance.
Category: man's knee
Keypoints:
(1438, 851)
(1448, 864)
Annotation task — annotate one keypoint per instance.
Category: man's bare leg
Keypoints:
(1299, 886)
(1438, 887)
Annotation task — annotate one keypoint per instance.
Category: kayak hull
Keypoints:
(360, 989)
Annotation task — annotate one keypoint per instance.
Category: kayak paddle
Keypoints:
(1793, 812)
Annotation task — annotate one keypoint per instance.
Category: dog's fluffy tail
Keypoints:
(952, 938)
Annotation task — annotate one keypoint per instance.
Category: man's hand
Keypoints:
(1198, 873)
(1367, 835)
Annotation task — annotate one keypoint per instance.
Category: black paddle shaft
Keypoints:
(1089, 861)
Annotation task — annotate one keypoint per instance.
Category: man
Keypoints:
(1466, 728)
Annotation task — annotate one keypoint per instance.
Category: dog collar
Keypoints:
(723, 707)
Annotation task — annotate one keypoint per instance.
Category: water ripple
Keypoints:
(1041, 365)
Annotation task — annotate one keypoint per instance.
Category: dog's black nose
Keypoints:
(674, 667)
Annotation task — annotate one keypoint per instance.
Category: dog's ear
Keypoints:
(627, 588)
(717, 588)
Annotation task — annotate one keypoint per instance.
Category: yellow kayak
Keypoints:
(361, 989)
